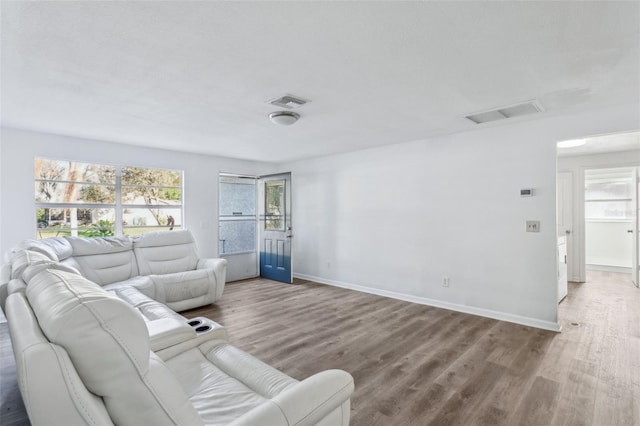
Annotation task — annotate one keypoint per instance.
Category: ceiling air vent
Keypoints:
(516, 110)
(288, 101)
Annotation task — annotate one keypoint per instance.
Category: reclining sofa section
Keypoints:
(84, 358)
(164, 266)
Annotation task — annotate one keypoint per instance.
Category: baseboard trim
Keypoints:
(606, 268)
(501, 316)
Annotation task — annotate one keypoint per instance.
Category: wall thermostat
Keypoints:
(527, 192)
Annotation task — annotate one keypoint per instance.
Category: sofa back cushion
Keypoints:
(59, 245)
(20, 261)
(165, 252)
(37, 246)
(108, 344)
(104, 260)
(52, 391)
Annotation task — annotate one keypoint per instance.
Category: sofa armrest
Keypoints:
(166, 332)
(5, 277)
(219, 268)
(305, 403)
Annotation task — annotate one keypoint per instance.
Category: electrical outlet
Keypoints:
(445, 281)
(533, 226)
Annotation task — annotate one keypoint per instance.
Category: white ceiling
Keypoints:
(196, 76)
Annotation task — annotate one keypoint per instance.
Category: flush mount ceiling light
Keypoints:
(572, 143)
(284, 118)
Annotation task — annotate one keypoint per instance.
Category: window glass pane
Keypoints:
(608, 189)
(274, 208)
(148, 195)
(237, 236)
(75, 221)
(238, 198)
(73, 171)
(72, 193)
(608, 210)
(154, 177)
(151, 219)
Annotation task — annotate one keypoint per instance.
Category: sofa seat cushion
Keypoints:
(143, 283)
(217, 397)
(104, 260)
(150, 309)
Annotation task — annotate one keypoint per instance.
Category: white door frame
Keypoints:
(580, 210)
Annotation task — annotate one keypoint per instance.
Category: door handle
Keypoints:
(567, 232)
(630, 231)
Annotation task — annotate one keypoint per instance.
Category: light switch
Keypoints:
(533, 226)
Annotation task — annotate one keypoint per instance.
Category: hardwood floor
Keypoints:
(419, 365)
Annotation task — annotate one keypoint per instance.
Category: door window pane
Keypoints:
(237, 236)
(237, 196)
(608, 189)
(274, 205)
(608, 194)
(608, 210)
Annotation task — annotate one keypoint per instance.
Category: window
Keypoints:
(608, 195)
(89, 200)
(274, 205)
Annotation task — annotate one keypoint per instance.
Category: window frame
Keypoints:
(119, 207)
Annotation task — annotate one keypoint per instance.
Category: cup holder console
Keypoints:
(201, 324)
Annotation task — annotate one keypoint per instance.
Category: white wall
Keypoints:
(577, 165)
(19, 148)
(395, 220)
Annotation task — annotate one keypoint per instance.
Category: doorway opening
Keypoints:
(597, 193)
(609, 215)
(254, 226)
(238, 225)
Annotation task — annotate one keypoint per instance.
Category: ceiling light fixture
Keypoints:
(284, 118)
(572, 143)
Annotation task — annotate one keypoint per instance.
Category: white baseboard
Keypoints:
(502, 316)
(606, 268)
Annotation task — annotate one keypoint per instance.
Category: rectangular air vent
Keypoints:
(516, 110)
(288, 101)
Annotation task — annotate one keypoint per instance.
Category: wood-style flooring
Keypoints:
(419, 365)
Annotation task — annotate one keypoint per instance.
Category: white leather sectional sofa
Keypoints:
(162, 265)
(109, 353)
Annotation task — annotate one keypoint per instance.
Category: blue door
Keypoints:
(275, 227)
